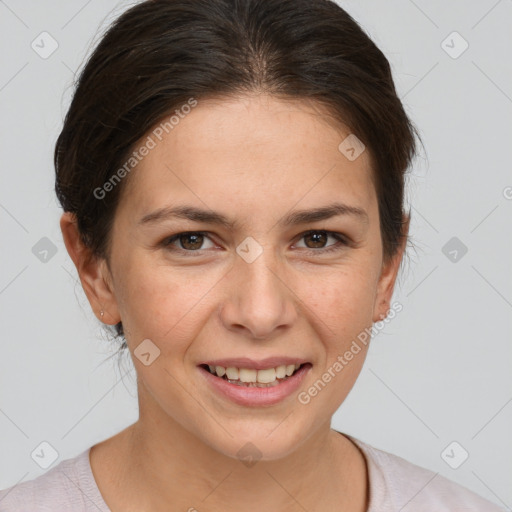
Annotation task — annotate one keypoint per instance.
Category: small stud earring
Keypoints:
(101, 313)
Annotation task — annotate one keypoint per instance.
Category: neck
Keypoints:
(160, 462)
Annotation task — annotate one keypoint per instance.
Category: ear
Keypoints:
(388, 277)
(93, 272)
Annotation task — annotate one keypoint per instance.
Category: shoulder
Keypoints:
(68, 486)
(397, 484)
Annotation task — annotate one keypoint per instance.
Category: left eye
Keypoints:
(193, 240)
(320, 237)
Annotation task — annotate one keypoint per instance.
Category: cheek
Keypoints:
(161, 304)
(341, 301)
(340, 309)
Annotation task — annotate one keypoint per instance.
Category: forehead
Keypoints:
(252, 150)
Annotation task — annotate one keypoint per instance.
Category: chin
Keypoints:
(252, 442)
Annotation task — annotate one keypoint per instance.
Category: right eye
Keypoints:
(190, 241)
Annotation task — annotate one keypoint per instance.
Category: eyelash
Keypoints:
(342, 242)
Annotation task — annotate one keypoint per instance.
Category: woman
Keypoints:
(232, 179)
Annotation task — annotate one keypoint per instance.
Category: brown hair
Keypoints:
(158, 54)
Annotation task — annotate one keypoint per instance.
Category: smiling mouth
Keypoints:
(254, 378)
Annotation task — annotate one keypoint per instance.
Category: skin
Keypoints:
(253, 158)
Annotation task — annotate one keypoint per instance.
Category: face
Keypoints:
(272, 284)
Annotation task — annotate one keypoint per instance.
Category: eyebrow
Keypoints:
(195, 214)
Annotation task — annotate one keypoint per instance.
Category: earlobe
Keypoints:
(385, 288)
(388, 277)
(92, 271)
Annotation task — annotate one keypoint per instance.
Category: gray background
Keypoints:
(438, 373)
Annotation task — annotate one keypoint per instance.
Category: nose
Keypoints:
(259, 302)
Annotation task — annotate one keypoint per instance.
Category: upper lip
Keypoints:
(260, 364)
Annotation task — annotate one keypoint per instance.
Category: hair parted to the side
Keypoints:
(159, 54)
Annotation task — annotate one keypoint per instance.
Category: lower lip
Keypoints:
(253, 396)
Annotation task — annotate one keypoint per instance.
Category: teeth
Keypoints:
(250, 375)
(232, 373)
(254, 384)
(266, 376)
(281, 372)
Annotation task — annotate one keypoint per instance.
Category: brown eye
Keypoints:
(187, 242)
(191, 241)
(318, 239)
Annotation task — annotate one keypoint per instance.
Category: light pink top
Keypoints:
(394, 485)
